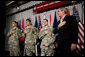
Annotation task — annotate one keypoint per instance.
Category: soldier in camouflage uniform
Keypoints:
(14, 34)
(30, 34)
(48, 38)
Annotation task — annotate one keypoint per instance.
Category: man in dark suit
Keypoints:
(68, 33)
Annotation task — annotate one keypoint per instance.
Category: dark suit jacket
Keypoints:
(68, 33)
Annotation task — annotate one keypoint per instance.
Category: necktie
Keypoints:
(60, 20)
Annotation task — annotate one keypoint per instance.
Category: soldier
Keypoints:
(30, 35)
(14, 34)
(48, 38)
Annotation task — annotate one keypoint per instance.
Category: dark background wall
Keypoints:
(2, 26)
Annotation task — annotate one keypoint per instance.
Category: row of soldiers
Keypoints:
(31, 36)
(64, 36)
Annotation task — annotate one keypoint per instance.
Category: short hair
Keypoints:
(15, 22)
(63, 9)
(28, 20)
(46, 20)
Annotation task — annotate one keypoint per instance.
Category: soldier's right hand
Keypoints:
(27, 31)
(46, 32)
(13, 31)
(46, 44)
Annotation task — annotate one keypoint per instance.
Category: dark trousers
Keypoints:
(64, 52)
(21, 48)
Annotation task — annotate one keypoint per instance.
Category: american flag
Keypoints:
(40, 24)
(80, 45)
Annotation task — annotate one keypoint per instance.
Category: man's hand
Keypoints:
(61, 24)
(27, 31)
(73, 47)
(13, 31)
(46, 31)
(46, 45)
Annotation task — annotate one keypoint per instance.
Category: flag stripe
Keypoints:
(82, 46)
(78, 46)
(50, 19)
(82, 28)
(81, 34)
(78, 39)
(81, 25)
(81, 40)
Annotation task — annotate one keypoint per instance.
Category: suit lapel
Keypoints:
(64, 18)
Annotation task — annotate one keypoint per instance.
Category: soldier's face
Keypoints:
(60, 12)
(45, 23)
(13, 24)
(27, 23)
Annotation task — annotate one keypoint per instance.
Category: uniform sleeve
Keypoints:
(23, 35)
(51, 29)
(25, 30)
(9, 33)
(19, 33)
(52, 37)
(41, 34)
(35, 33)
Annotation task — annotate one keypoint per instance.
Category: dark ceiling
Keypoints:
(5, 5)
(11, 4)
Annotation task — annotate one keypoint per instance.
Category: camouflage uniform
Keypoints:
(30, 40)
(14, 41)
(49, 39)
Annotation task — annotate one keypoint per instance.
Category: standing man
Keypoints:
(14, 34)
(68, 34)
(30, 34)
(48, 38)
